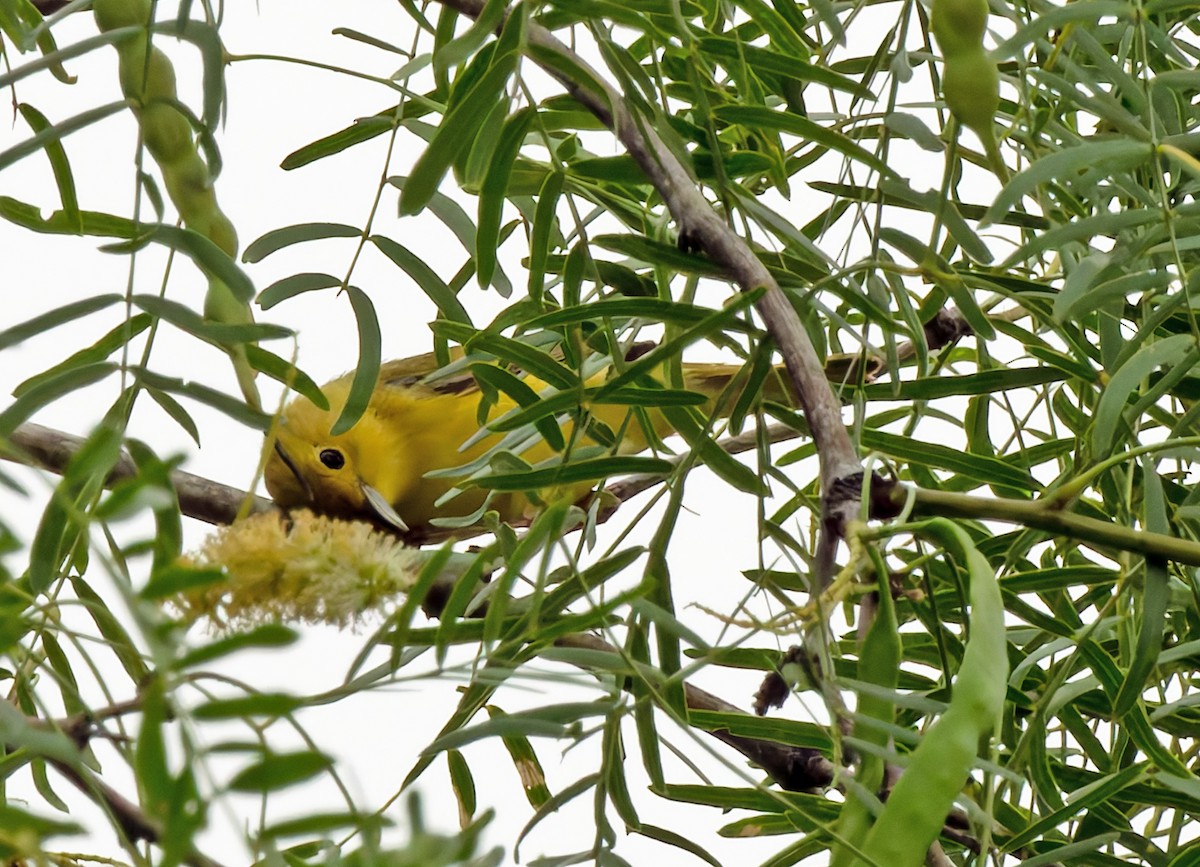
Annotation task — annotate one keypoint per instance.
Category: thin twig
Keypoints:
(128, 816)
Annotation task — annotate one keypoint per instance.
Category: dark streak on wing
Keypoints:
(411, 373)
(460, 383)
(642, 347)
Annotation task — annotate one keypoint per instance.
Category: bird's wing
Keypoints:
(410, 373)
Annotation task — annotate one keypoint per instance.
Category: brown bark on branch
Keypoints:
(701, 228)
(199, 497)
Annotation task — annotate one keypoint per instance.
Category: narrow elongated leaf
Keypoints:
(274, 772)
(50, 389)
(277, 239)
(754, 117)
(59, 223)
(54, 135)
(297, 284)
(573, 473)
(1125, 382)
(1114, 156)
(210, 258)
(366, 374)
(495, 185)
(362, 130)
(59, 164)
(425, 277)
(453, 134)
(60, 315)
(981, 468)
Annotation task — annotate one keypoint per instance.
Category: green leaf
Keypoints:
(366, 373)
(756, 118)
(60, 223)
(545, 231)
(234, 407)
(59, 164)
(209, 258)
(178, 578)
(981, 468)
(270, 635)
(529, 358)
(284, 371)
(457, 50)
(297, 284)
(553, 721)
(443, 297)
(1154, 598)
(22, 825)
(453, 134)
(278, 771)
(994, 381)
(300, 233)
(261, 704)
(657, 253)
(193, 323)
(489, 375)
(1111, 156)
(362, 130)
(50, 389)
(21, 332)
(732, 53)
(725, 465)
(53, 135)
(574, 472)
(1127, 380)
(495, 185)
(1080, 800)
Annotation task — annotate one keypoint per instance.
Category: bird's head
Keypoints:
(312, 467)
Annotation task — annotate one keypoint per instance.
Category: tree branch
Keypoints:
(888, 499)
(700, 227)
(199, 498)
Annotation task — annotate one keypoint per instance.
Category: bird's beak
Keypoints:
(382, 507)
(287, 462)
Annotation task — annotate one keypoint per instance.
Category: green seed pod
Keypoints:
(971, 88)
(111, 14)
(938, 768)
(132, 66)
(155, 78)
(959, 25)
(148, 81)
(970, 82)
(166, 132)
(188, 186)
(222, 233)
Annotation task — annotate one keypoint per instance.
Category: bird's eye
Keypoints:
(333, 459)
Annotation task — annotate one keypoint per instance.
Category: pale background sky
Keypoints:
(274, 108)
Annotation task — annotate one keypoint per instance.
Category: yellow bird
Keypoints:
(377, 469)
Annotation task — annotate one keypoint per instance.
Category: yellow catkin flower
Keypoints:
(303, 567)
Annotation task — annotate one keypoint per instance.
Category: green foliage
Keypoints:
(1008, 318)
